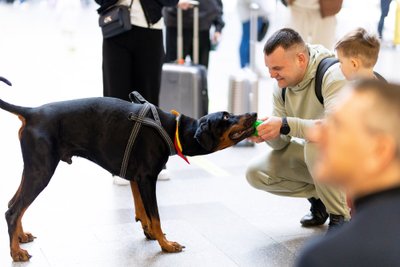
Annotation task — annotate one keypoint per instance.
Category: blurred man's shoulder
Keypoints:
(329, 250)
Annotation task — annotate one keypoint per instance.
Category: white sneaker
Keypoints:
(164, 175)
(120, 181)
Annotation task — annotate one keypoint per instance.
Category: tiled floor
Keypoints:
(82, 219)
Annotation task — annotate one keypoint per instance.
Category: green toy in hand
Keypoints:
(255, 125)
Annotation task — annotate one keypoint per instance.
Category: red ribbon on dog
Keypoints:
(177, 141)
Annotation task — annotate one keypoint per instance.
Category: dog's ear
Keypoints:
(204, 135)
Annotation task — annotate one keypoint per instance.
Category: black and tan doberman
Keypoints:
(98, 129)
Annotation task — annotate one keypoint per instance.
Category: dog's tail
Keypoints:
(5, 81)
(17, 110)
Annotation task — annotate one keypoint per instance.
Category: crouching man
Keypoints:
(297, 105)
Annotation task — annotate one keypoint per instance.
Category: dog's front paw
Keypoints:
(146, 229)
(147, 232)
(26, 238)
(20, 255)
(172, 247)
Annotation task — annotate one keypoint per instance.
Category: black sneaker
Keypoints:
(317, 216)
(335, 222)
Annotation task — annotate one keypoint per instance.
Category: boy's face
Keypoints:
(348, 66)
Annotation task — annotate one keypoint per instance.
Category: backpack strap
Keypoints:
(379, 77)
(323, 66)
(283, 94)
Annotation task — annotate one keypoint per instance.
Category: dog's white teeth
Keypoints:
(237, 134)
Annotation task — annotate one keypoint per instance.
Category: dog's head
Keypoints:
(220, 130)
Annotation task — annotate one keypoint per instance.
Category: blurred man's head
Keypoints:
(360, 141)
(286, 57)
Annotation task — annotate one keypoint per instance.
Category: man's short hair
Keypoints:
(361, 44)
(285, 38)
(384, 115)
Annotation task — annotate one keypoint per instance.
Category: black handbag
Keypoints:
(115, 20)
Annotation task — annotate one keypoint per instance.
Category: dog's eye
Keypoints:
(226, 117)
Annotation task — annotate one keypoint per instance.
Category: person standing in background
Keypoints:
(132, 61)
(385, 5)
(243, 8)
(210, 14)
(315, 20)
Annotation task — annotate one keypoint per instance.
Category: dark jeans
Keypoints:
(385, 4)
(204, 45)
(132, 61)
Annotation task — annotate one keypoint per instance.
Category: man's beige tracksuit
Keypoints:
(286, 169)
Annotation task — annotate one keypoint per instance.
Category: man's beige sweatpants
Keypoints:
(286, 173)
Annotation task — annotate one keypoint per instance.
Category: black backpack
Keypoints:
(323, 66)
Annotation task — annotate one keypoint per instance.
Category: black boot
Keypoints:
(317, 216)
(335, 222)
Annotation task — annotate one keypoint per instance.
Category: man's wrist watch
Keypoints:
(285, 129)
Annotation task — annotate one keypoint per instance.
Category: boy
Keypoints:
(358, 53)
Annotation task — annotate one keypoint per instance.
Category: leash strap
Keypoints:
(140, 119)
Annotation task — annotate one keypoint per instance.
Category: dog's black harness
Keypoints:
(140, 119)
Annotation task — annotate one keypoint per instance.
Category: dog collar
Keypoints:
(177, 141)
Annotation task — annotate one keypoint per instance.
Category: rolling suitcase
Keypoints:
(243, 92)
(243, 86)
(184, 85)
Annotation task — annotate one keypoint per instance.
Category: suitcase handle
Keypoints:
(179, 53)
(253, 34)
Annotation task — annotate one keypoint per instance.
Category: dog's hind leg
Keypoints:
(39, 167)
(147, 189)
(141, 212)
(29, 191)
(23, 237)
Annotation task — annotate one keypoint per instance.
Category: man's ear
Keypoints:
(302, 58)
(204, 136)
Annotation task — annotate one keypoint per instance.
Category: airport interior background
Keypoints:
(51, 51)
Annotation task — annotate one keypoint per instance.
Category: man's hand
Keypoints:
(255, 139)
(269, 129)
(316, 134)
(184, 4)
